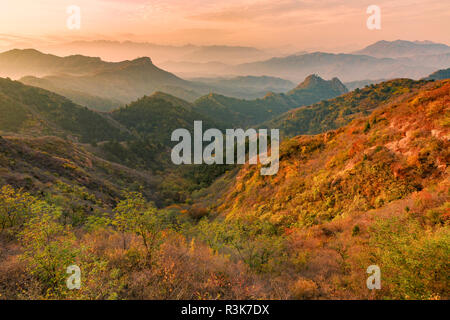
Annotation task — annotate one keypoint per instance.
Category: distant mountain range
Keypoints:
(103, 85)
(402, 48)
(247, 87)
(106, 86)
(126, 50)
(137, 135)
(122, 82)
(370, 187)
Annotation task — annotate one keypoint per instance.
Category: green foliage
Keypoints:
(355, 231)
(337, 112)
(29, 109)
(439, 75)
(257, 242)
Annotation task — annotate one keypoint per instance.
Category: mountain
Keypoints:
(314, 88)
(137, 136)
(18, 63)
(151, 120)
(123, 83)
(91, 81)
(235, 112)
(158, 115)
(347, 67)
(373, 191)
(352, 85)
(189, 69)
(402, 48)
(228, 54)
(400, 148)
(436, 61)
(79, 97)
(439, 75)
(118, 51)
(52, 165)
(37, 112)
(334, 113)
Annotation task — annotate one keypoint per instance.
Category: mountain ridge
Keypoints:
(403, 48)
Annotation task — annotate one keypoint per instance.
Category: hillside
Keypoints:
(18, 63)
(246, 87)
(104, 86)
(90, 81)
(347, 67)
(439, 75)
(361, 84)
(122, 83)
(373, 192)
(138, 136)
(337, 112)
(120, 50)
(235, 112)
(158, 115)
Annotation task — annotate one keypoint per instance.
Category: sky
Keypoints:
(333, 25)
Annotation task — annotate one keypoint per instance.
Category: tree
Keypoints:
(14, 208)
(49, 248)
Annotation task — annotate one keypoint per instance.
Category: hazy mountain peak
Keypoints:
(22, 51)
(439, 75)
(170, 98)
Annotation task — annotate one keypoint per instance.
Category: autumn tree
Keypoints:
(137, 216)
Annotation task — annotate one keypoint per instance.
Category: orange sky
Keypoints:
(335, 25)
